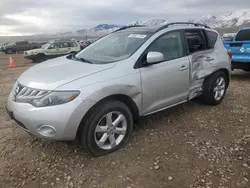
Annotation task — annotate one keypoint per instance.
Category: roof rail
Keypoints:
(186, 23)
(126, 27)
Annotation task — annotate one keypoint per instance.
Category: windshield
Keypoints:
(45, 46)
(243, 35)
(114, 47)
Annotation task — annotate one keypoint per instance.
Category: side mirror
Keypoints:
(154, 57)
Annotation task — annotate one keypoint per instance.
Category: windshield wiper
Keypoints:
(83, 60)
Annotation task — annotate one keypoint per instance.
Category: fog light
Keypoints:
(46, 130)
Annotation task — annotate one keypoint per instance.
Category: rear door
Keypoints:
(64, 48)
(203, 56)
(241, 46)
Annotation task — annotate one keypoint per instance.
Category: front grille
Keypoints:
(23, 92)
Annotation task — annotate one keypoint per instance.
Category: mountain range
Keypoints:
(234, 19)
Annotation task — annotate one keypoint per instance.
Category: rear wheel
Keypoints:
(107, 128)
(215, 87)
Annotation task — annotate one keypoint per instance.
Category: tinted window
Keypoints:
(211, 39)
(196, 41)
(21, 42)
(243, 35)
(170, 45)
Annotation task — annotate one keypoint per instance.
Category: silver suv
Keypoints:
(96, 94)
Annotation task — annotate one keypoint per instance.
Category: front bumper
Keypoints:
(65, 118)
(29, 57)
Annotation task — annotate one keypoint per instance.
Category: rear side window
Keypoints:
(211, 39)
(243, 35)
(64, 45)
(73, 44)
(196, 40)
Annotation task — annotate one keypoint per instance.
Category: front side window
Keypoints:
(114, 47)
(170, 45)
(54, 46)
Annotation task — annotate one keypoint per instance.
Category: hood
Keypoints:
(35, 51)
(59, 71)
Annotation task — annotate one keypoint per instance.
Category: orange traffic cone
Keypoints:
(11, 63)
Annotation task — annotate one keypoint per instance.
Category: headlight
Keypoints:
(55, 98)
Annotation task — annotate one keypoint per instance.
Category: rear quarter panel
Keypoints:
(200, 68)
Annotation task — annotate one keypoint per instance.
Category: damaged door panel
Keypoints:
(203, 58)
(202, 64)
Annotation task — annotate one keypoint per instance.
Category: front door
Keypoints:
(64, 48)
(166, 83)
(53, 50)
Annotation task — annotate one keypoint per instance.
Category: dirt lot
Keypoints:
(191, 145)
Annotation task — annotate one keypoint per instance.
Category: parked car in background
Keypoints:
(52, 49)
(96, 94)
(240, 49)
(20, 46)
(84, 44)
(228, 36)
(41, 43)
(2, 46)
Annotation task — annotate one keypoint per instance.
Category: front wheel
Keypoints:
(40, 58)
(9, 51)
(107, 128)
(215, 87)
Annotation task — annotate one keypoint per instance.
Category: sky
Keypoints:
(25, 17)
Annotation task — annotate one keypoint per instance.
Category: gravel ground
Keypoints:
(191, 145)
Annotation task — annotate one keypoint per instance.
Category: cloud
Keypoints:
(32, 16)
(220, 7)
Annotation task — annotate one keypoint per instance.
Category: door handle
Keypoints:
(183, 67)
(209, 59)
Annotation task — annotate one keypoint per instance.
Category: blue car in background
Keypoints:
(240, 49)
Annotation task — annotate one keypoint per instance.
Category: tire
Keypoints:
(211, 84)
(90, 137)
(40, 58)
(9, 51)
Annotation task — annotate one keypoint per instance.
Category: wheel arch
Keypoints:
(128, 101)
(10, 48)
(227, 73)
